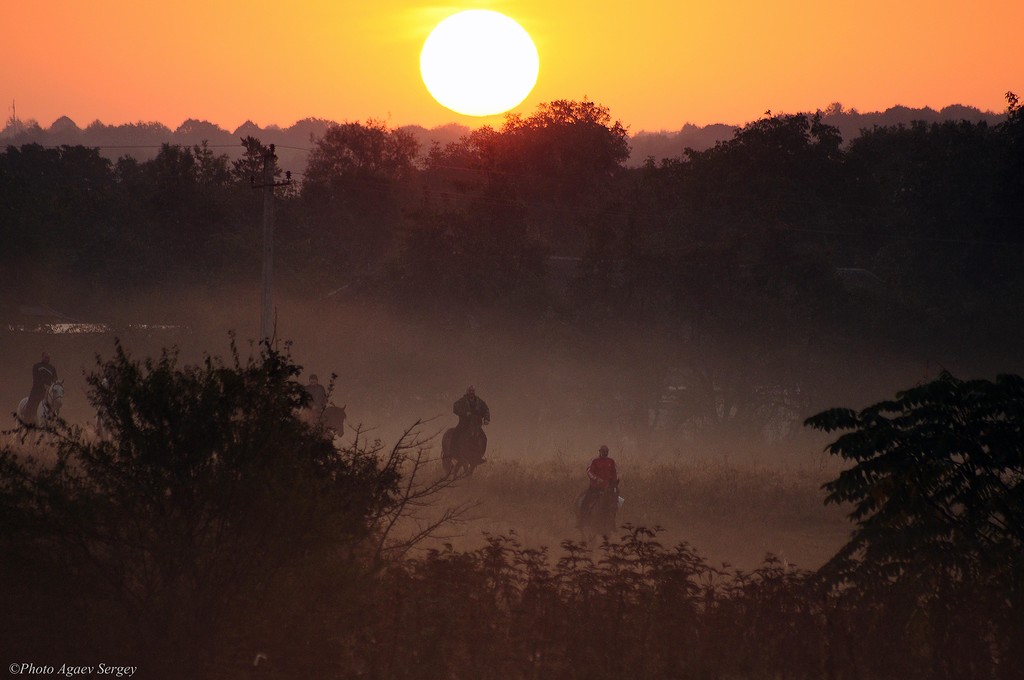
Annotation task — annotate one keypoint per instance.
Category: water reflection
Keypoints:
(82, 328)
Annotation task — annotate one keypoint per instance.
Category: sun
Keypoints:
(479, 63)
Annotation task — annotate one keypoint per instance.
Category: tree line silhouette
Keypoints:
(142, 139)
(784, 228)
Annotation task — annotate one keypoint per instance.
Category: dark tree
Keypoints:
(248, 169)
(1011, 195)
(575, 144)
(352, 194)
(210, 504)
(561, 164)
(937, 487)
(355, 150)
(55, 210)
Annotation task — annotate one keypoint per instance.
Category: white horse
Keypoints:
(49, 406)
(103, 426)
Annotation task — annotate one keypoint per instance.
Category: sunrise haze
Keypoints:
(655, 65)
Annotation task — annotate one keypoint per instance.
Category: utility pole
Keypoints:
(15, 126)
(268, 186)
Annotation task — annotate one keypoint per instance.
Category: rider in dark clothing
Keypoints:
(44, 374)
(473, 414)
(317, 395)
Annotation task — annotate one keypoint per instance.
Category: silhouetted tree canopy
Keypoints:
(750, 236)
(937, 488)
(352, 192)
(356, 150)
(938, 475)
(208, 496)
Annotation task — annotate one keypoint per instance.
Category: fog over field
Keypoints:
(736, 488)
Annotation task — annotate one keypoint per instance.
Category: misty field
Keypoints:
(248, 562)
(735, 498)
(729, 513)
(555, 395)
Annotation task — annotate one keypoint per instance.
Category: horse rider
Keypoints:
(44, 374)
(317, 395)
(473, 414)
(603, 476)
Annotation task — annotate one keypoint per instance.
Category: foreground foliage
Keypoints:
(633, 608)
(209, 502)
(937, 488)
(214, 528)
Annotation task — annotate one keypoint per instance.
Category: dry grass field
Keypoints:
(729, 513)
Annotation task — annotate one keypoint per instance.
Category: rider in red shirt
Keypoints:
(603, 476)
(602, 470)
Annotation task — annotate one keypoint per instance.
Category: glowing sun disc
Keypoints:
(479, 63)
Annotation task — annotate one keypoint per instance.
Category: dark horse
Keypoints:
(331, 419)
(461, 459)
(599, 517)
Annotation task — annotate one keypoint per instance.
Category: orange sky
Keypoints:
(657, 64)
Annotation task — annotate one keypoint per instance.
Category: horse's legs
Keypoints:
(32, 411)
(460, 468)
(608, 511)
